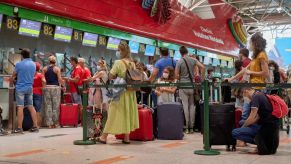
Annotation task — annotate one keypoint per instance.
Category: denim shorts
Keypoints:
(76, 98)
(24, 98)
(37, 102)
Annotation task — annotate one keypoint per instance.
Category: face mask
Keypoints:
(246, 99)
(118, 55)
(98, 68)
(272, 68)
(165, 75)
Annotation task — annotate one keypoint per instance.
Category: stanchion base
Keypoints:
(82, 142)
(206, 152)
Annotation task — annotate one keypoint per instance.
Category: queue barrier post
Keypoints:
(85, 140)
(207, 149)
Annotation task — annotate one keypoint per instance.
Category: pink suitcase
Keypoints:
(145, 130)
(67, 98)
(69, 115)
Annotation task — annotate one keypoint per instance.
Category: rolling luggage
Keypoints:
(145, 130)
(69, 114)
(27, 120)
(170, 121)
(67, 98)
(221, 124)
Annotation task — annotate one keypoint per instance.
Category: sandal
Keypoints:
(125, 142)
(100, 141)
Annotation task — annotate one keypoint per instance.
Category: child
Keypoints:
(166, 94)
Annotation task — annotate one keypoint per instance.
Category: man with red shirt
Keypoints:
(75, 81)
(87, 72)
(38, 83)
(244, 57)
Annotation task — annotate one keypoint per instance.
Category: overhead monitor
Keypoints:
(90, 39)
(215, 62)
(134, 47)
(29, 28)
(230, 64)
(113, 43)
(206, 60)
(177, 55)
(1, 17)
(223, 63)
(150, 50)
(63, 34)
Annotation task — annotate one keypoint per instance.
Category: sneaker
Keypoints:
(18, 130)
(191, 131)
(34, 130)
(187, 131)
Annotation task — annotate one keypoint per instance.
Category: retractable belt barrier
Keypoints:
(204, 85)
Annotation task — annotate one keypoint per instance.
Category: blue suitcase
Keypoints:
(170, 121)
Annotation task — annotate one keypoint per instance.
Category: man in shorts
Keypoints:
(24, 75)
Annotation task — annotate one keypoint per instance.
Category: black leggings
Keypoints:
(267, 139)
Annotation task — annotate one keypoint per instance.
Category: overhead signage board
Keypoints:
(90, 39)
(63, 34)
(150, 50)
(177, 55)
(29, 28)
(113, 43)
(134, 47)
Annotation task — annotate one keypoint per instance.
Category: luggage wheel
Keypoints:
(233, 148)
(75, 126)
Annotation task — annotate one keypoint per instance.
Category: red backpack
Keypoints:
(280, 108)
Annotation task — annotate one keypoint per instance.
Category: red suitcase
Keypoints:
(238, 113)
(145, 130)
(67, 98)
(69, 115)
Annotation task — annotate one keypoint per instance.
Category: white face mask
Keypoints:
(118, 55)
(272, 68)
(246, 99)
(98, 68)
(165, 75)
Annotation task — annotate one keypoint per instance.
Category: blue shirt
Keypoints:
(164, 62)
(25, 71)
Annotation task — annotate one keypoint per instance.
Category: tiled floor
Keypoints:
(55, 146)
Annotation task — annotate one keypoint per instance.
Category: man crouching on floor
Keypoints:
(267, 136)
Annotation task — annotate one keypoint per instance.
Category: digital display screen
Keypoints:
(63, 34)
(206, 60)
(230, 64)
(223, 63)
(177, 55)
(134, 47)
(90, 39)
(171, 53)
(150, 50)
(1, 17)
(113, 43)
(215, 62)
(29, 28)
(200, 59)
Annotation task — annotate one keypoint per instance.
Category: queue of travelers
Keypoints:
(40, 89)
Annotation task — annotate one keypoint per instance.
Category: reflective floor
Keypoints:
(55, 146)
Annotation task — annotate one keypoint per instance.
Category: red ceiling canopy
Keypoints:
(183, 28)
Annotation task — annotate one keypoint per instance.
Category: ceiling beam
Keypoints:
(197, 4)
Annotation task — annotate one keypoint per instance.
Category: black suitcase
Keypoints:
(221, 124)
(27, 120)
(170, 121)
